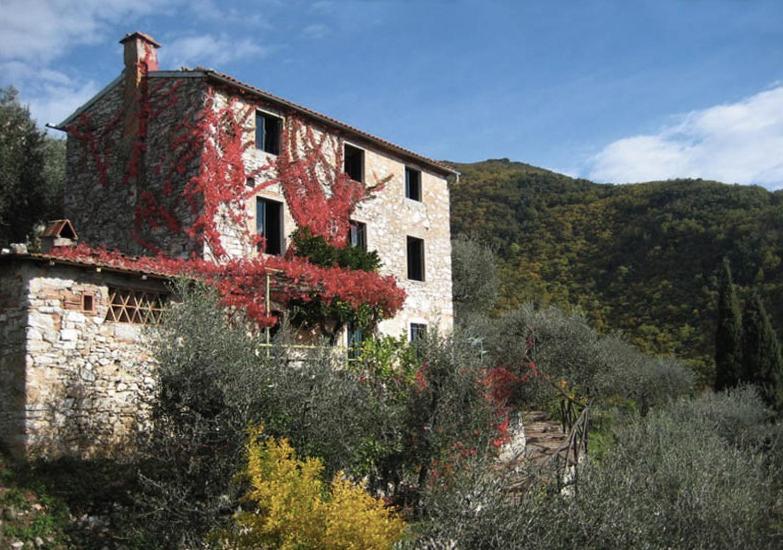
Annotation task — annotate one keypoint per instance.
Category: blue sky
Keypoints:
(612, 90)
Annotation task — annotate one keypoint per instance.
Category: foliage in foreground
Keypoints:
(28, 511)
(700, 473)
(398, 425)
(215, 380)
(566, 347)
(291, 507)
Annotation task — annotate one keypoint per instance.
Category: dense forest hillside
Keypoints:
(639, 258)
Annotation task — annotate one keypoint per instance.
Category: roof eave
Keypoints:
(53, 260)
(429, 163)
(63, 126)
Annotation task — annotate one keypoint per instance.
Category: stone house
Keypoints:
(73, 363)
(407, 222)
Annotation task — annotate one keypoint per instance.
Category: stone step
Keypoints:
(544, 436)
(551, 444)
(541, 426)
(534, 416)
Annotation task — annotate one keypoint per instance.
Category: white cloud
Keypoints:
(34, 34)
(43, 30)
(206, 49)
(738, 143)
(208, 10)
(53, 103)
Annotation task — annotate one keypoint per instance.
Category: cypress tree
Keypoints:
(728, 362)
(762, 364)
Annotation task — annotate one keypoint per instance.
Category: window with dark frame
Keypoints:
(353, 162)
(268, 132)
(358, 235)
(418, 332)
(415, 259)
(413, 184)
(269, 224)
(250, 182)
(88, 302)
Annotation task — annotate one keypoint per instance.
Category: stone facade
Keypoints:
(171, 98)
(72, 381)
(390, 218)
(100, 199)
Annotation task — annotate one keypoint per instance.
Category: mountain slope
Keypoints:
(638, 258)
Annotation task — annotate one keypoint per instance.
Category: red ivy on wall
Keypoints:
(201, 193)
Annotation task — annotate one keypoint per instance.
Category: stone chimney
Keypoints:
(140, 56)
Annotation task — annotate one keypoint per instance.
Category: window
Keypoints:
(268, 132)
(250, 183)
(88, 302)
(135, 306)
(418, 331)
(413, 184)
(415, 259)
(269, 224)
(354, 162)
(358, 235)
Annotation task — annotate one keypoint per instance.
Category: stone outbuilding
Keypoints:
(74, 368)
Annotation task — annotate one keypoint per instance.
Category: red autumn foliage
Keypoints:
(304, 164)
(501, 385)
(502, 429)
(309, 170)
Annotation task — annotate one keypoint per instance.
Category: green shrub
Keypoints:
(216, 379)
(674, 479)
(565, 346)
(290, 506)
(475, 277)
(395, 425)
(319, 252)
(646, 381)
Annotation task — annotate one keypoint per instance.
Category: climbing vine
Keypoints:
(197, 189)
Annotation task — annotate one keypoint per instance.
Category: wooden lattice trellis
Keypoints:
(135, 306)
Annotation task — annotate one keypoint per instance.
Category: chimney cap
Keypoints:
(137, 34)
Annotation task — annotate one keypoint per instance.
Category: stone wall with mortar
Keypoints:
(103, 197)
(78, 379)
(13, 320)
(390, 218)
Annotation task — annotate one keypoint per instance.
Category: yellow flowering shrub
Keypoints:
(295, 510)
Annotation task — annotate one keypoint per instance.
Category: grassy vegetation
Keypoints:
(28, 511)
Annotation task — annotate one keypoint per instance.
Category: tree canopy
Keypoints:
(33, 171)
(642, 259)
